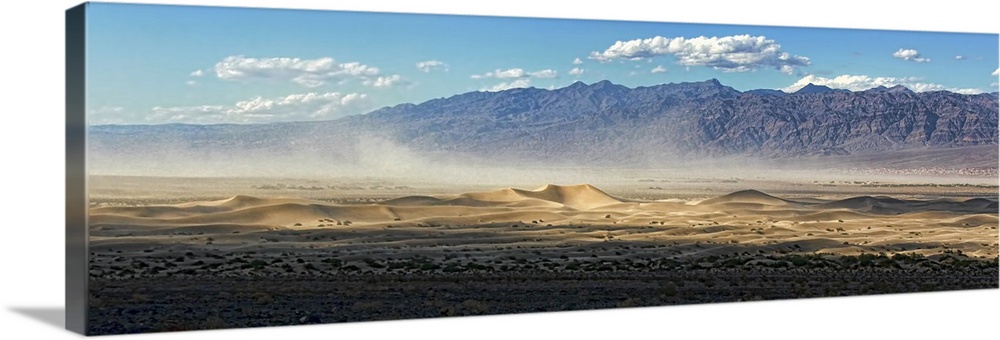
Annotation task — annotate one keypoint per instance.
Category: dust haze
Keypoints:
(374, 157)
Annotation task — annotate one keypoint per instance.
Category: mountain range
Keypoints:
(604, 123)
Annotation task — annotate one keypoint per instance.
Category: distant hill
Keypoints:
(602, 124)
(812, 88)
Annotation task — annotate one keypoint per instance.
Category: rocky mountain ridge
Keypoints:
(606, 123)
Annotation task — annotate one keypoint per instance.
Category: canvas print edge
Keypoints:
(76, 173)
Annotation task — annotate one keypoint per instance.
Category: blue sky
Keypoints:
(204, 65)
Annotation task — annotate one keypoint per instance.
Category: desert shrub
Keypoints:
(668, 263)
(778, 264)
(798, 261)
(262, 297)
(866, 259)
(140, 298)
(476, 266)
(848, 260)
(912, 257)
(630, 302)
(392, 265)
(475, 307)
(451, 268)
(962, 264)
(734, 262)
(214, 322)
(373, 264)
(669, 289)
(335, 263)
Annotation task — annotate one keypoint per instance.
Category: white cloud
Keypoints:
(358, 69)
(431, 65)
(864, 82)
(305, 72)
(236, 67)
(962, 91)
(295, 107)
(996, 73)
(191, 83)
(658, 69)
(517, 83)
(518, 78)
(910, 55)
(502, 74)
(577, 61)
(738, 53)
(545, 74)
(517, 73)
(576, 71)
(511, 73)
(197, 73)
(383, 82)
(960, 57)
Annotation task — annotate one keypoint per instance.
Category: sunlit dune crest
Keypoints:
(746, 196)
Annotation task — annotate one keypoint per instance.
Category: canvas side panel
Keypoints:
(76, 175)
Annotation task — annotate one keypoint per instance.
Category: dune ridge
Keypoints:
(578, 197)
(583, 203)
(746, 196)
(571, 215)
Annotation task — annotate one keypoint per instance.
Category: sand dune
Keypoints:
(578, 197)
(746, 196)
(584, 203)
(566, 216)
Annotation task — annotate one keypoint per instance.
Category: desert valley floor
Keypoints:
(196, 253)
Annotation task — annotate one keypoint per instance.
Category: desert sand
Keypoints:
(557, 218)
(177, 256)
